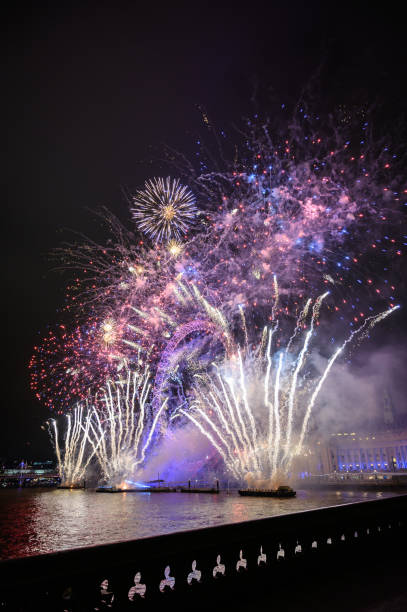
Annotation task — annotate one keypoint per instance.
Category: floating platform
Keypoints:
(136, 490)
(282, 491)
(71, 487)
(198, 490)
(151, 490)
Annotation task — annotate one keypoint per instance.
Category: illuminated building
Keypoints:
(381, 448)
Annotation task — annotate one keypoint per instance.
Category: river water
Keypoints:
(34, 521)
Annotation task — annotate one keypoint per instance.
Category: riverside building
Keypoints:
(381, 448)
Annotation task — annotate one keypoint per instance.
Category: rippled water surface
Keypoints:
(34, 521)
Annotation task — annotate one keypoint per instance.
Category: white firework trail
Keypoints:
(276, 298)
(121, 426)
(299, 363)
(258, 420)
(300, 323)
(369, 323)
(74, 455)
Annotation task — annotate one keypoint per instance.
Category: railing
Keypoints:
(219, 563)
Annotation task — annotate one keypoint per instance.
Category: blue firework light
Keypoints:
(164, 209)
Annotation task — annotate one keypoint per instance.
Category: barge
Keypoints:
(282, 491)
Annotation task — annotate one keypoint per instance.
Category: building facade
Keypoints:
(380, 447)
(381, 451)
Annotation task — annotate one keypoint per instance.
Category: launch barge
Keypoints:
(198, 490)
(137, 490)
(282, 491)
(194, 489)
(158, 490)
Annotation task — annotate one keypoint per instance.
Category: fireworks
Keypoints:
(75, 454)
(312, 208)
(69, 364)
(318, 209)
(255, 410)
(174, 248)
(164, 210)
(121, 427)
(109, 331)
(116, 428)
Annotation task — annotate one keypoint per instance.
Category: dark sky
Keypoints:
(88, 87)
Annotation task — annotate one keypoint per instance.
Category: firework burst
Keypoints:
(164, 210)
(69, 364)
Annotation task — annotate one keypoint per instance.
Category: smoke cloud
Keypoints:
(354, 393)
(179, 457)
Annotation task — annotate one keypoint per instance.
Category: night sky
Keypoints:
(89, 87)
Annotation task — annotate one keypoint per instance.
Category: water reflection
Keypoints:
(37, 521)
